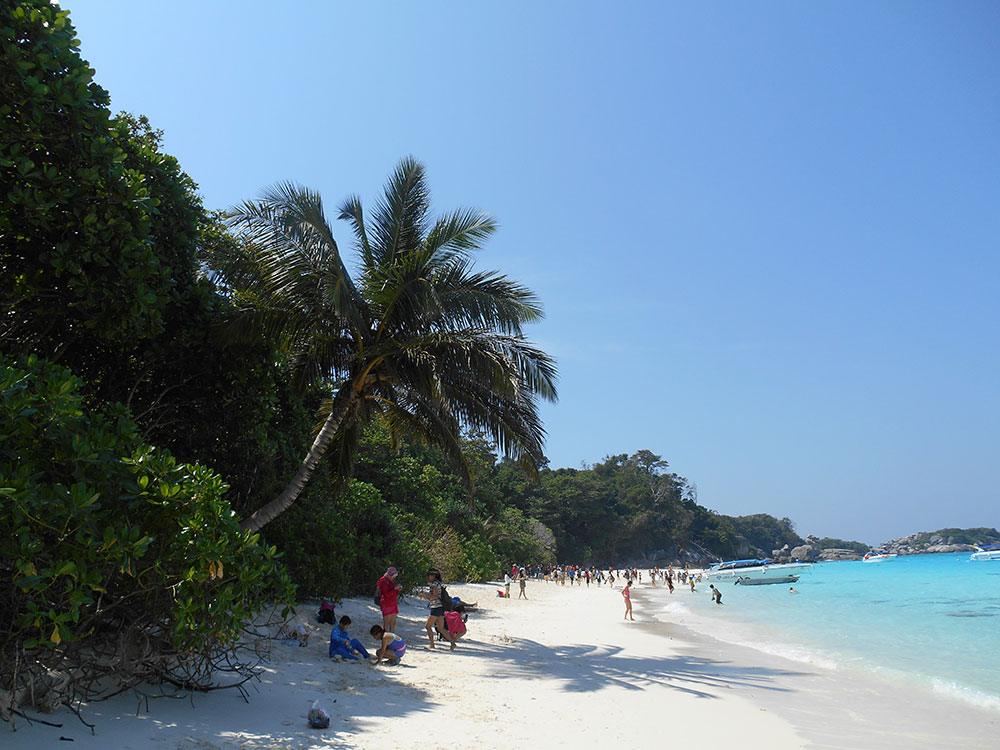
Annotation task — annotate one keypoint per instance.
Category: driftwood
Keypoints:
(133, 659)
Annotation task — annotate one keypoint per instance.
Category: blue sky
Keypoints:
(765, 233)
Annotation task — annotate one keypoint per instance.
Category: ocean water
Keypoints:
(929, 619)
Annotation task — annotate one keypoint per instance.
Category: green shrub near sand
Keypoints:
(120, 565)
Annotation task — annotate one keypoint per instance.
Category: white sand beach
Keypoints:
(558, 670)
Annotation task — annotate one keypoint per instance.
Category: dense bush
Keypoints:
(78, 260)
(119, 565)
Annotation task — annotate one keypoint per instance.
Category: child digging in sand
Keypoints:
(391, 646)
(342, 645)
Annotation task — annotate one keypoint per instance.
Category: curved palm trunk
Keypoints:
(345, 401)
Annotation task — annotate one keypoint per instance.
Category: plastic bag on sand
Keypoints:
(318, 717)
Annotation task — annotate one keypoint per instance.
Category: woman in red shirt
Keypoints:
(388, 599)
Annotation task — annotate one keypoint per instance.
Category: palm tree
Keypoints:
(419, 338)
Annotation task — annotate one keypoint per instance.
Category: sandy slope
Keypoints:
(560, 670)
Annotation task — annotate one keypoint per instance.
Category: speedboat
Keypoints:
(880, 557)
(989, 552)
(755, 572)
(748, 581)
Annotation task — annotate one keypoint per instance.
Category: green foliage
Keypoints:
(831, 543)
(979, 535)
(339, 545)
(415, 337)
(102, 536)
(766, 533)
(78, 261)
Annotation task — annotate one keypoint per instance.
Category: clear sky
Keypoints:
(766, 234)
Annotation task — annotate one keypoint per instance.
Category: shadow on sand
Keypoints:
(587, 668)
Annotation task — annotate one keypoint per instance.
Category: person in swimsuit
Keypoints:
(627, 593)
(522, 579)
(436, 616)
(391, 646)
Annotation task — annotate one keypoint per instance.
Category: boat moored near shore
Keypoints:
(880, 557)
(756, 572)
(989, 552)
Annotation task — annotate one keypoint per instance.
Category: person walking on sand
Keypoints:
(506, 585)
(716, 594)
(387, 591)
(627, 593)
(522, 579)
(436, 616)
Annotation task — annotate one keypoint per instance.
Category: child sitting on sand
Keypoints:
(391, 646)
(341, 643)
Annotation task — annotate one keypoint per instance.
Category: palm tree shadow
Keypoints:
(588, 668)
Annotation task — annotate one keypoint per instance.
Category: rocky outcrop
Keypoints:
(922, 543)
(674, 556)
(833, 553)
(804, 552)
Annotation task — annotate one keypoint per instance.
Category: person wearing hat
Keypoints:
(388, 599)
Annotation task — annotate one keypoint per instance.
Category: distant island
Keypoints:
(942, 540)
(921, 543)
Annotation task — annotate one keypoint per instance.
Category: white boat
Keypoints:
(748, 581)
(882, 557)
(989, 552)
(755, 572)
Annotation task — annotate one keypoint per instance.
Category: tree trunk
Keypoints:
(343, 403)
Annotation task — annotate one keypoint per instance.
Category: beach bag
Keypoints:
(318, 717)
(326, 613)
(455, 624)
(446, 601)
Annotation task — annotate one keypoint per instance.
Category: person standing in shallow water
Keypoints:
(716, 594)
(627, 593)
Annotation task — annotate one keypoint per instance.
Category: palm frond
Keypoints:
(399, 221)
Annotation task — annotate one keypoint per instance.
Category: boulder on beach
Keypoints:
(804, 552)
(833, 553)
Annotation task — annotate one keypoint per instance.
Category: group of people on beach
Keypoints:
(445, 619)
(580, 576)
(447, 615)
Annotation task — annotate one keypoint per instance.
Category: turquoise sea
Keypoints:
(932, 619)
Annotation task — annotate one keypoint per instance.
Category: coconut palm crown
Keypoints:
(417, 337)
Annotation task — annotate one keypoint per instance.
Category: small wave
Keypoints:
(790, 652)
(674, 608)
(975, 697)
(970, 614)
